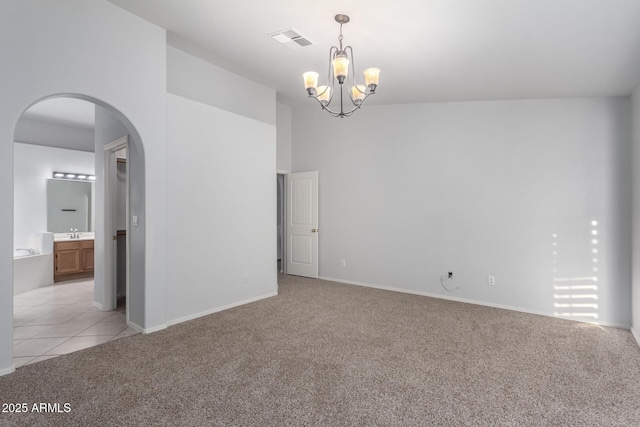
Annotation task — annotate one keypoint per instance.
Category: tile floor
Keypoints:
(60, 319)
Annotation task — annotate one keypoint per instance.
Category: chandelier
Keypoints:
(341, 70)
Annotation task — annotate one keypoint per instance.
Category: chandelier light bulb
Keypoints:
(371, 78)
(324, 94)
(357, 93)
(310, 81)
(341, 67)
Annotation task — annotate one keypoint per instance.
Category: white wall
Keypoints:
(202, 81)
(108, 129)
(125, 69)
(635, 102)
(410, 192)
(283, 138)
(221, 197)
(50, 133)
(33, 165)
(221, 188)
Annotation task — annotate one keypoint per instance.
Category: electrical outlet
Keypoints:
(343, 263)
(491, 280)
(246, 278)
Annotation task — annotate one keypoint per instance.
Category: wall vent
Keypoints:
(291, 38)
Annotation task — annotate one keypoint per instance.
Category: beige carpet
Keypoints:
(323, 353)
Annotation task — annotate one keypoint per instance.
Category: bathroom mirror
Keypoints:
(69, 205)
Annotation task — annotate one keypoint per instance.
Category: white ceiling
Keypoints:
(58, 122)
(429, 50)
(64, 111)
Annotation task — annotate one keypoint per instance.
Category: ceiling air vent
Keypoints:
(291, 38)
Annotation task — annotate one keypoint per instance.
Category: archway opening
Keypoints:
(58, 135)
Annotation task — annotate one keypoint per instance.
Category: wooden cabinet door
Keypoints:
(87, 259)
(67, 261)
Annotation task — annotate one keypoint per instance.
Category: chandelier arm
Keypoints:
(354, 80)
(357, 106)
(351, 95)
(350, 112)
(342, 113)
(352, 64)
(325, 107)
(330, 73)
(318, 95)
(365, 93)
(331, 78)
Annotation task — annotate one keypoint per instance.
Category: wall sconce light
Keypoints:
(74, 176)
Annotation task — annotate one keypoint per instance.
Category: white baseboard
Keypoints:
(217, 309)
(135, 327)
(154, 329)
(635, 334)
(470, 301)
(7, 371)
(142, 330)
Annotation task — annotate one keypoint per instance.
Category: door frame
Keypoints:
(110, 248)
(283, 210)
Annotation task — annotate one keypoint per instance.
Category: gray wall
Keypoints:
(635, 99)
(54, 134)
(410, 192)
(283, 138)
(221, 190)
(201, 81)
(221, 218)
(33, 165)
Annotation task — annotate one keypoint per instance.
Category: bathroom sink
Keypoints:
(65, 237)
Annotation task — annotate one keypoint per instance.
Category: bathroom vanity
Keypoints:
(72, 258)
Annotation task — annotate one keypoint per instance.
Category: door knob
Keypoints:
(314, 230)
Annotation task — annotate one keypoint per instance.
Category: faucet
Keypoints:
(74, 234)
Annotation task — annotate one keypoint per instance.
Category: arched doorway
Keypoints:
(111, 125)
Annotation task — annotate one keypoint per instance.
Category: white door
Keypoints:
(302, 224)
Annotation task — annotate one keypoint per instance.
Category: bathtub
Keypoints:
(31, 271)
(21, 253)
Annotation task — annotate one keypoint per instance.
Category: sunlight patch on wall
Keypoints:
(576, 296)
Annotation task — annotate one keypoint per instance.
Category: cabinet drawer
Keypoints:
(87, 244)
(65, 246)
